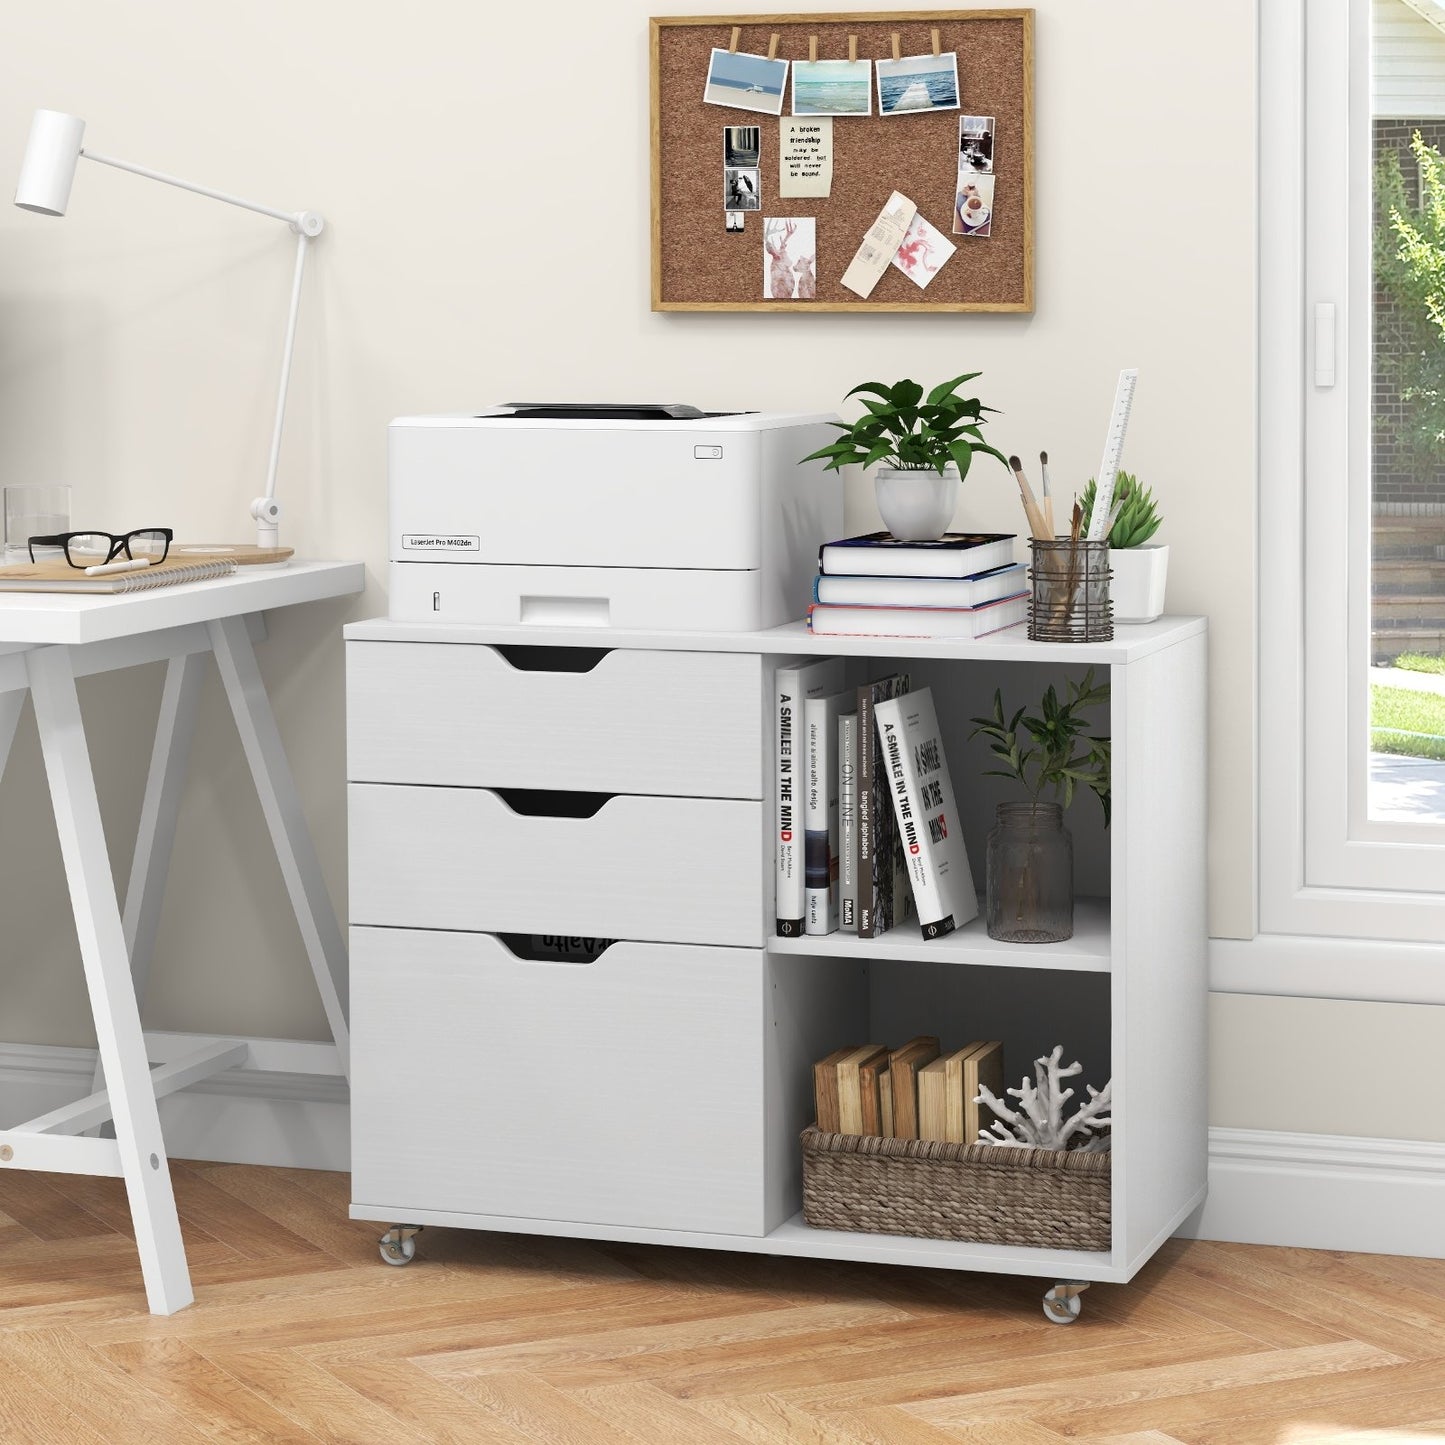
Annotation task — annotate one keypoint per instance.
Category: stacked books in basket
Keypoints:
(966, 584)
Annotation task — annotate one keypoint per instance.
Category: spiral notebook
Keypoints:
(189, 565)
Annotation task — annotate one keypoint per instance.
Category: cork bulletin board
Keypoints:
(699, 265)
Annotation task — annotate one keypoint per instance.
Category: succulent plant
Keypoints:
(1138, 518)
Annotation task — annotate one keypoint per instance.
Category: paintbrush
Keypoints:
(1048, 500)
(1038, 528)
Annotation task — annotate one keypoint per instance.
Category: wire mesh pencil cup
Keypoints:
(1069, 592)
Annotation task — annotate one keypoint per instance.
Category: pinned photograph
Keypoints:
(790, 258)
(918, 83)
(742, 188)
(832, 87)
(742, 145)
(735, 220)
(975, 145)
(922, 251)
(973, 206)
(746, 82)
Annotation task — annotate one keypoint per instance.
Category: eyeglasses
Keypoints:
(87, 549)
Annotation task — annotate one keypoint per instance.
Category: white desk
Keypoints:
(47, 640)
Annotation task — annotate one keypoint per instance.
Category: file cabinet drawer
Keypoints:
(671, 870)
(618, 721)
(627, 1090)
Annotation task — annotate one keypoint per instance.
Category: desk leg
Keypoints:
(175, 728)
(108, 980)
(290, 836)
(10, 705)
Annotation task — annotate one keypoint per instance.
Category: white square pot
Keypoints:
(1137, 586)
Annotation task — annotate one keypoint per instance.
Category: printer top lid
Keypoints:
(609, 416)
(603, 411)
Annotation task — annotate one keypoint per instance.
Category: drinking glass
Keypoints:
(35, 509)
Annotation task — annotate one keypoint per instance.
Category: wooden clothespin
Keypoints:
(773, 47)
(937, 49)
(852, 50)
(897, 53)
(812, 49)
(733, 43)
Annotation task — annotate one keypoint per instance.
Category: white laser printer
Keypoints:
(623, 516)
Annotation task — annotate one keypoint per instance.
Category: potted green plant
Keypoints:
(1030, 865)
(923, 445)
(1140, 568)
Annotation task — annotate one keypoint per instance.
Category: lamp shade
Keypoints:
(49, 165)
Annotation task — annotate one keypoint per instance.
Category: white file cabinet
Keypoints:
(509, 785)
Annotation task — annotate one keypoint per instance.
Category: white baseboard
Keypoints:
(1313, 1191)
(1324, 1191)
(298, 1120)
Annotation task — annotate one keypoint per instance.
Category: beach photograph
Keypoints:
(742, 189)
(973, 206)
(975, 144)
(917, 83)
(742, 145)
(746, 82)
(832, 87)
(790, 258)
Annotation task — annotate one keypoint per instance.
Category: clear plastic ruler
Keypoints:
(1113, 450)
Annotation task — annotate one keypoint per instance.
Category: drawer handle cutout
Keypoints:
(552, 803)
(526, 658)
(553, 948)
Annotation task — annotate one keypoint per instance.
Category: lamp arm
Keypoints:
(266, 510)
(292, 218)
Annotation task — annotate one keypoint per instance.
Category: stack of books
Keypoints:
(867, 828)
(913, 1092)
(966, 584)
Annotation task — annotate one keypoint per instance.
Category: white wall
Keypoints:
(484, 173)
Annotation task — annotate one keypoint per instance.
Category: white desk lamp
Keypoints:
(46, 175)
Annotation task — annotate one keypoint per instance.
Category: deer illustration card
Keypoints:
(790, 258)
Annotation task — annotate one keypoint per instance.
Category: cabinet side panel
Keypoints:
(1159, 944)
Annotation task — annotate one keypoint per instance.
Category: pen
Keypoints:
(104, 568)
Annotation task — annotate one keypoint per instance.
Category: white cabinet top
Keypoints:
(1130, 641)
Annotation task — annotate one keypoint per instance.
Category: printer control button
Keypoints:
(707, 454)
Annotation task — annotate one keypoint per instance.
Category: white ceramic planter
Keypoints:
(1137, 586)
(916, 506)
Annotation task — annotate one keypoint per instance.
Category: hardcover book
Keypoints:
(881, 903)
(927, 817)
(1010, 581)
(848, 822)
(881, 554)
(966, 622)
(903, 1067)
(794, 682)
(850, 1084)
(820, 813)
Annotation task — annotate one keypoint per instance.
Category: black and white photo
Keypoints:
(742, 145)
(975, 145)
(742, 188)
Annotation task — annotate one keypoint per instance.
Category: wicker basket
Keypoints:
(978, 1192)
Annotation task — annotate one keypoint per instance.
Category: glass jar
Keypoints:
(1030, 874)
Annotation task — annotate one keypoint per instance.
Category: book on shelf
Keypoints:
(965, 622)
(948, 1092)
(848, 822)
(882, 898)
(885, 1103)
(820, 813)
(983, 1065)
(825, 1089)
(872, 1080)
(903, 1067)
(880, 554)
(850, 1084)
(794, 683)
(926, 814)
(1009, 581)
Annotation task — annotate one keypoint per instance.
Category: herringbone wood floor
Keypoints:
(301, 1334)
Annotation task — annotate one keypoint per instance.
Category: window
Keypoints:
(1352, 490)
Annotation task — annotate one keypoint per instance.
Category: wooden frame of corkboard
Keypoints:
(697, 266)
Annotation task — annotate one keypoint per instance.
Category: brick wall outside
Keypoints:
(1395, 489)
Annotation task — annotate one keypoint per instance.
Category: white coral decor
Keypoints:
(1039, 1120)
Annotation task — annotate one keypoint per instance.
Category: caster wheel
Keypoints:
(398, 1244)
(1064, 1303)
